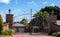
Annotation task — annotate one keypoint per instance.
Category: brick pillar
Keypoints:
(9, 19)
(51, 19)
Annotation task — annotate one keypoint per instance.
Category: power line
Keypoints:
(22, 15)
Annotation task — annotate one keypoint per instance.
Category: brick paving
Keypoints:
(33, 35)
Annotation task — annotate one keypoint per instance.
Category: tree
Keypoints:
(1, 24)
(55, 9)
(41, 20)
(25, 22)
(42, 17)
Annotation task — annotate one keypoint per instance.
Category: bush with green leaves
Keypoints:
(57, 34)
(7, 32)
(54, 34)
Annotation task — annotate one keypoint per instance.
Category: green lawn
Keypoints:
(5, 36)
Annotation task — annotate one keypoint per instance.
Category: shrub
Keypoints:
(1, 24)
(57, 34)
(54, 34)
(51, 32)
(7, 32)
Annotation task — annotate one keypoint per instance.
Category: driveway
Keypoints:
(33, 35)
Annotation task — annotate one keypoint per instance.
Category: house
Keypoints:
(17, 27)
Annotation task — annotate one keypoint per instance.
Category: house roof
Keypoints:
(18, 24)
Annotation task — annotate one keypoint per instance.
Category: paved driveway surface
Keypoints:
(33, 35)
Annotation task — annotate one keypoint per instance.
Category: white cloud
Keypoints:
(32, 3)
(45, 2)
(52, 4)
(5, 1)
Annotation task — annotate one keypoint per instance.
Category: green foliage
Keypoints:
(34, 22)
(54, 34)
(7, 32)
(42, 17)
(1, 24)
(49, 9)
(57, 34)
(25, 22)
(5, 36)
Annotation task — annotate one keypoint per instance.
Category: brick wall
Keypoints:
(9, 19)
(6, 26)
(52, 23)
(54, 27)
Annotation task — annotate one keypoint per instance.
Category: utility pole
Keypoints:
(31, 13)
(31, 25)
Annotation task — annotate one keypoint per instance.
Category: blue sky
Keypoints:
(19, 7)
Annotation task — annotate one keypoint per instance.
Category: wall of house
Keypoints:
(19, 29)
(54, 27)
(52, 23)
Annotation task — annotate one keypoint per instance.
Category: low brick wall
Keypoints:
(6, 26)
